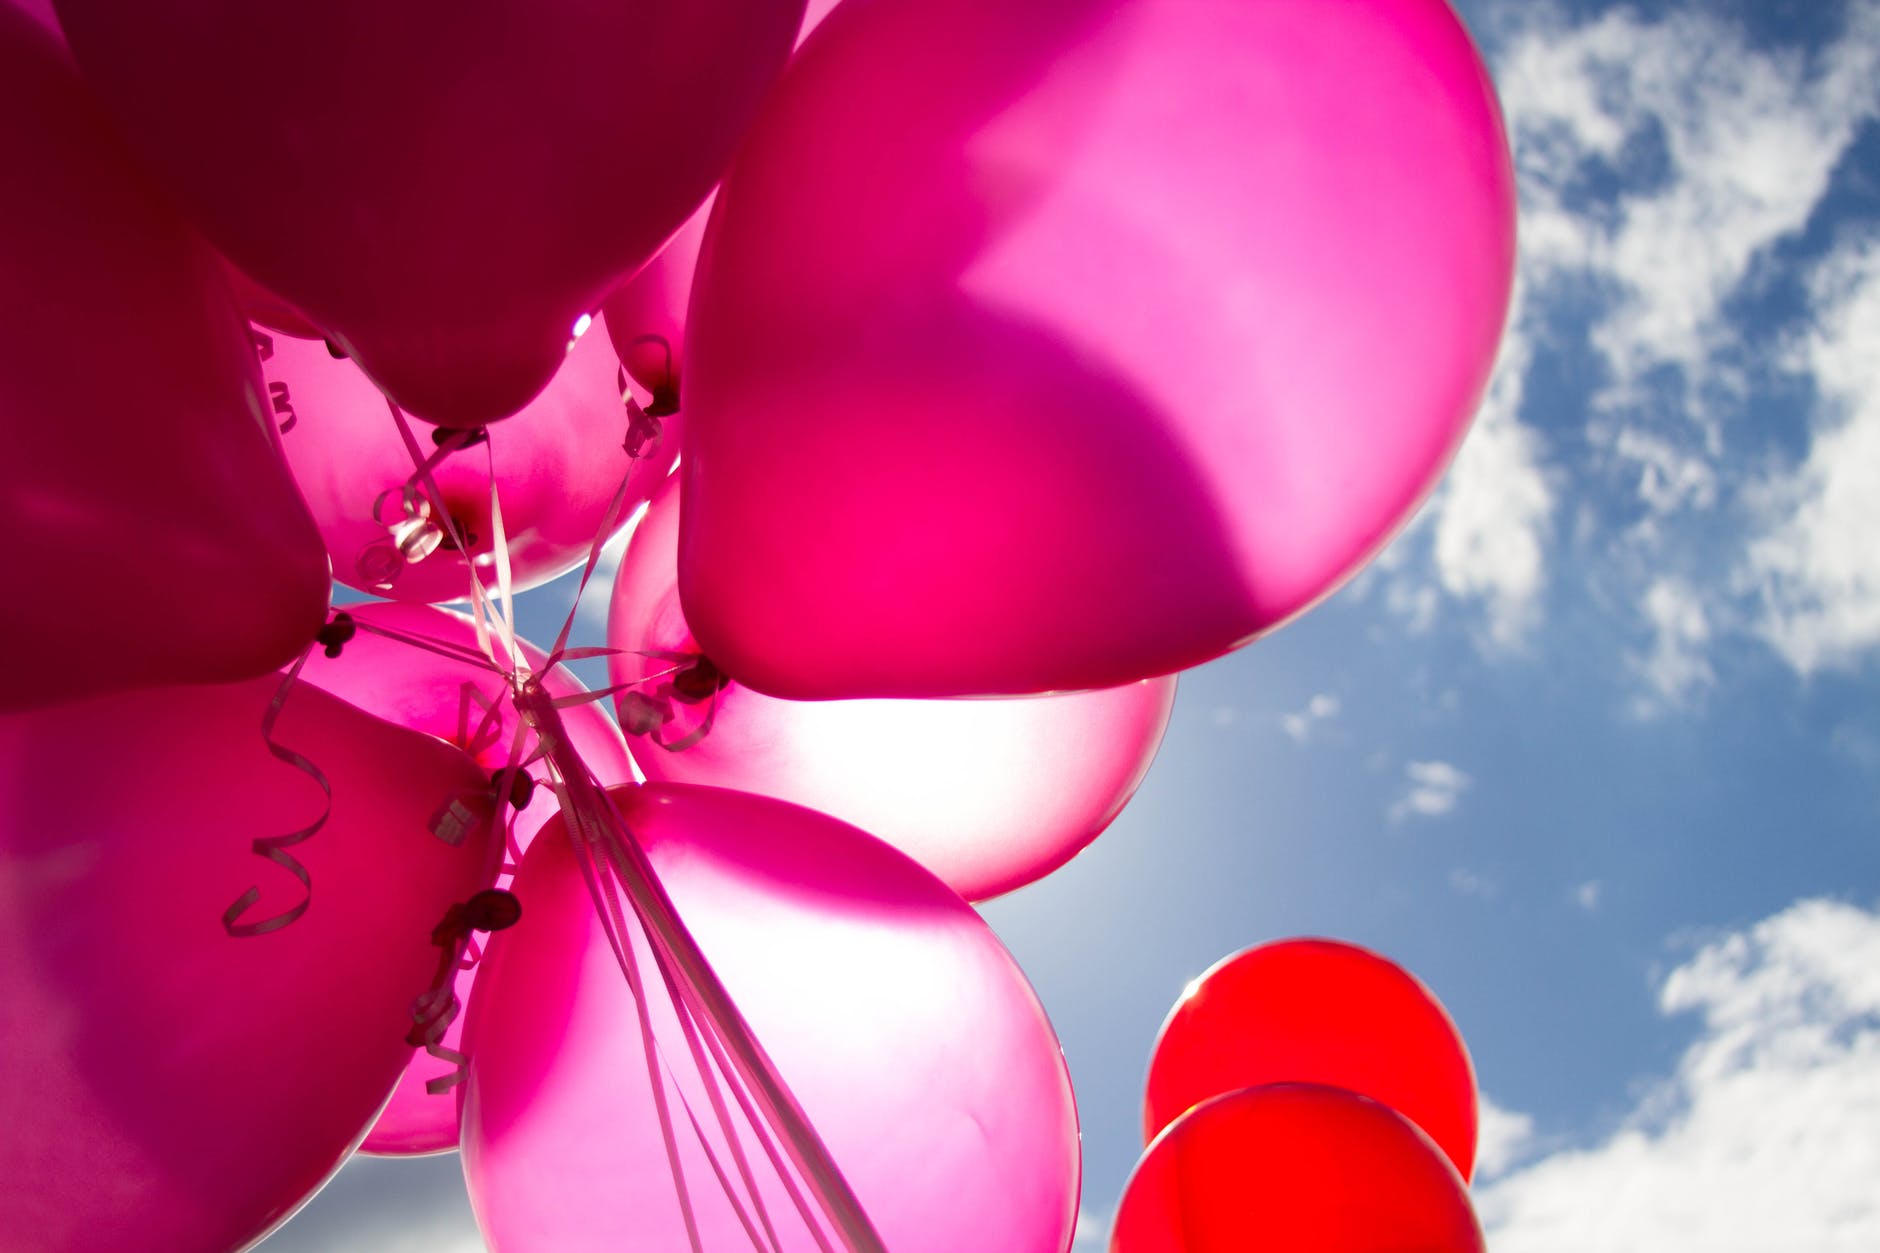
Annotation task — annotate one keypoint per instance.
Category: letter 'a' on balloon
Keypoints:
(1299, 1167)
(165, 1085)
(161, 539)
(1085, 348)
(387, 670)
(988, 794)
(1317, 1011)
(911, 1040)
(445, 189)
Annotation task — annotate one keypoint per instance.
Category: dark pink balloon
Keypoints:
(556, 472)
(987, 794)
(268, 309)
(909, 1037)
(445, 188)
(164, 1086)
(158, 538)
(465, 705)
(1085, 346)
(646, 316)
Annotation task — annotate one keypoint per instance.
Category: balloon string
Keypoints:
(434, 1009)
(673, 943)
(274, 848)
(644, 434)
(443, 648)
(613, 924)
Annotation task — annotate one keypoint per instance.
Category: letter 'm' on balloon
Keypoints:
(556, 472)
(1048, 346)
(139, 467)
(447, 189)
(1317, 1011)
(911, 1040)
(465, 705)
(988, 794)
(163, 1085)
(1297, 1167)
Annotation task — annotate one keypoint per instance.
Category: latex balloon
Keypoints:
(465, 705)
(909, 1037)
(556, 473)
(163, 1085)
(987, 794)
(160, 539)
(1317, 1011)
(447, 190)
(1085, 348)
(646, 316)
(1299, 1167)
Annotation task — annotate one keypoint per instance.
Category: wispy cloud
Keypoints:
(1764, 1138)
(1676, 669)
(1321, 709)
(1433, 789)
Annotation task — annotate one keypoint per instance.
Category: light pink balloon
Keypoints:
(467, 706)
(445, 188)
(164, 1086)
(556, 471)
(1087, 345)
(157, 536)
(646, 316)
(907, 1034)
(987, 794)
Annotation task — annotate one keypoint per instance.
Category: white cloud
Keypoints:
(1676, 670)
(1434, 788)
(1465, 882)
(1093, 1233)
(1495, 507)
(1502, 1138)
(1765, 1137)
(1586, 896)
(1321, 708)
(1816, 566)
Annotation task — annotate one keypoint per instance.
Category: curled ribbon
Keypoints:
(274, 847)
(432, 1012)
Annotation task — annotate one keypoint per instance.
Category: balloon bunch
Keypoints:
(1025, 351)
(1305, 1094)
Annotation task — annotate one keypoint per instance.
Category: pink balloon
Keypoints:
(163, 1085)
(556, 473)
(447, 189)
(909, 1037)
(989, 795)
(1085, 348)
(646, 316)
(159, 539)
(268, 309)
(467, 706)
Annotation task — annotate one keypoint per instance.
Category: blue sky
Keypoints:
(1595, 747)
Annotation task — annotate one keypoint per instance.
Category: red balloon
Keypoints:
(988, 794)
(446, 188)
(1317, 1011)
(1294, 1167)
(165, 1086)
(1046, 346)
(158, 538)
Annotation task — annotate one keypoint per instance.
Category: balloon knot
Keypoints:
(493, 909)
(665, 401)
(699, 682)
(335, 351)
(335, 634)
(465, 437)
(521, 788)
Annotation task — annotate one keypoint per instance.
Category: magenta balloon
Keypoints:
(556, 471)
(1085, 348)
(447, 189)
(159, 537)
(646, 316)
(268, 309)
(908, 1035)
(988, 794)
(424, 691)
(164, 1086)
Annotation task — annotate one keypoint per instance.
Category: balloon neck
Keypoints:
(665, 401)
(699, 681)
